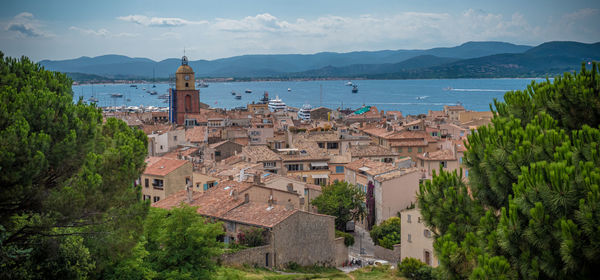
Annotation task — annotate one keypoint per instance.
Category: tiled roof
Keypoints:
(163, 166)
(260, 153)
(373, 168)
(370, 151)
(408, 143)
(195, 134)
(216, 145)
(438, 155)
(454, 108)
(156, 128)
(260, 214)
(394, 174)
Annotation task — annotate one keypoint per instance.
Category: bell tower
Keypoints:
(185, 99)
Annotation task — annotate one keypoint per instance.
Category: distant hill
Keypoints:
(273, 65)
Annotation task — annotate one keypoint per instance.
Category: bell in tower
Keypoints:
(185, 99)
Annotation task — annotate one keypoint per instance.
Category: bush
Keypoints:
(348, 238)
(410, 267)
(252, 237)
(387, 233)
(424, 273)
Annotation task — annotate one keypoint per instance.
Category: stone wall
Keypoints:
(387, 254)
(255, 256)
(306, 239)
(341, 251)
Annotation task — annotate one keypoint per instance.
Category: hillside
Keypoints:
(269, 65)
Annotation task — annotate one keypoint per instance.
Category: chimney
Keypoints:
(257, 178)
(189, 192)
(290, 187)
(270, 201)
(246, 198)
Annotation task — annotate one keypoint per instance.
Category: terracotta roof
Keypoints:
(260, 153)
(163, 166)
(408, 143)
(183, 151)
(370, 151)
(454, 108)
(260, 214)
(438, 155)
(373, 168)
(394, 174)
(214, 202)
(196, 134)
(216, 145)
(156, 128)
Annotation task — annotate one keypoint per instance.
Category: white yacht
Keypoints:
(304, 113)
(276, 104)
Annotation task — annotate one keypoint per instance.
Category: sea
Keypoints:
(408, 96)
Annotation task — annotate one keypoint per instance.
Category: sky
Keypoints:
(42, 29)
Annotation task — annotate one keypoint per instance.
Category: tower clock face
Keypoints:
(187, 77)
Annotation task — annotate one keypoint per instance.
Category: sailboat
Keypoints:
(93, 99)
(153, 78)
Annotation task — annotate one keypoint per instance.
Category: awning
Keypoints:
(319, 164)
(320, 176)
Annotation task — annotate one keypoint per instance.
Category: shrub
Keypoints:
(252, 237)
(409, 267)
(387, 233)
(348, 238)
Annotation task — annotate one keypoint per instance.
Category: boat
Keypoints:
(238, 96)
(289, 89)
(264, 99)
(232, 92)
(421, 97)
(248, 91)
(128, 99)
(93, 99)
(349, 84)
(354, 89)
(153, 92)
(276, 104)
(116, 95)
(202, 84)
(304, 112)
(163, 96)
(133, 86)
(448, 88)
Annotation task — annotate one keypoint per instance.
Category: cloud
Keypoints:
(101, 32)
(25, 25)
(158, 21)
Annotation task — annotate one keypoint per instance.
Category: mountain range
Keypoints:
(469, 60)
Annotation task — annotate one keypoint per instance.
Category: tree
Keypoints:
(531, 208)
(387, 233)
(181, 243)
(342, 200)
(68, 205)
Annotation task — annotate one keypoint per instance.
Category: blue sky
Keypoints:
(216, 29)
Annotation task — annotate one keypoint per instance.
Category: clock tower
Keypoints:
(185, 99)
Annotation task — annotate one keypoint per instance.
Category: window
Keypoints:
(146, 182)
(277, 145)
(419, 150)
(147, 197)
(217, 153)
(466, 173)
(339, 169)
(320, 181)
(427, 256)
(427, 233)
(422, 163)
(399, 149)
(409, 238)
(305, 191)
(303, 179)
(190, 122)
(161, 147)
(410, 149)
(294, 167)
(333, 145)
(462, 133)
(443, 164)
(321, 145)
(269, 164)
(187, 181)
(157, 183)
(408, 219)
(419, 220)
(460, 160)
(174, 137)
(156, 198)
(388, 160)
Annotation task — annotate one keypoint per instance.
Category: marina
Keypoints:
(407, 96)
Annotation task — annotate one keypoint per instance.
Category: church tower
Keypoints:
(185, 99)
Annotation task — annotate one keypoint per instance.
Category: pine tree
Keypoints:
(532, 199)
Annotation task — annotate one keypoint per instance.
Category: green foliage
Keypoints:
(532, 206)
(342, 200)
(181, 244)
(348, 238)
(68, 205)
(409, 268)
(387, 233)
(252, 237)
